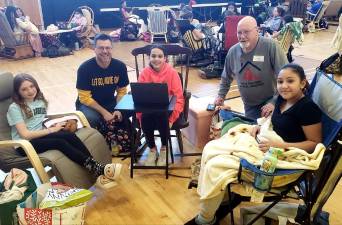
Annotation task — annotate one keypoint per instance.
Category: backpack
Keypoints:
(52, 51)
(129, 32)
(323, 23)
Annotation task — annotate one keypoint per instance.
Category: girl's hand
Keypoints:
(265, 144)
(57, 127)
(254, 131)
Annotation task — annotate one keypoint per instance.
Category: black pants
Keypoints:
(151, 122)
(64, 141)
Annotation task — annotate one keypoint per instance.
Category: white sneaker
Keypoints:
(105, 183)
(151, 158)
(112, 171)
(162, 157)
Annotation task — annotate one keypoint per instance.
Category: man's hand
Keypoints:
(117, 116)
(219, 101)
(107, 116)
(267, 110)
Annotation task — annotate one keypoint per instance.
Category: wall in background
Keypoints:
(61, 10)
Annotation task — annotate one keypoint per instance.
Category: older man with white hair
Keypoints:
(254, 62)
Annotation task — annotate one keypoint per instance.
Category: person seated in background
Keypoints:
(172, 30)
(20, 24)
(296, 31)
(128, 16)
(313, 9)
(197, 33)
(275, 22)
(77, 24)
(159, 71)
(231, 10)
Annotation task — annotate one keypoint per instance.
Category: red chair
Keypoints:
(231, 30)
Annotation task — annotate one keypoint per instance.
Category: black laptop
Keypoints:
(150, 94)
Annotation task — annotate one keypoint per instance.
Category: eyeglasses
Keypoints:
(245, 32)
(104, 48)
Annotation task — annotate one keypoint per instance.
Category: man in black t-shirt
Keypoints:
(101, 82)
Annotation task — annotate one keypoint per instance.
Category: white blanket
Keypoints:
(221, 158)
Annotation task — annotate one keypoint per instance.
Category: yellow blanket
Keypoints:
(221, 158)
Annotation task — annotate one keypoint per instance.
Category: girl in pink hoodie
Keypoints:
(159, 71)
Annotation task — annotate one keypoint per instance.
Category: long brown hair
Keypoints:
(17, 98)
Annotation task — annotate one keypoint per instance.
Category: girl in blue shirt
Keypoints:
(26, 115)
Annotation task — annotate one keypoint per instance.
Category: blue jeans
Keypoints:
(93, 117)
(226, 115)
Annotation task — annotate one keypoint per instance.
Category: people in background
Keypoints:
(77, 24)
(296, 119)
(20, 24)
(254, 62)
(197, 33)
(275, 22)
(26, 115)
(172, 30)
(101, 82)
(296, 32)
(231, 10)
(128, 15)
(159, 71)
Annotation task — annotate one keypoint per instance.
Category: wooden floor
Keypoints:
(149, 198)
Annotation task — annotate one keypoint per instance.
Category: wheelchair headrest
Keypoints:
(327, 94)
(6, 85)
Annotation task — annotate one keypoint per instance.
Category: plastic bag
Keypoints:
(30, 213)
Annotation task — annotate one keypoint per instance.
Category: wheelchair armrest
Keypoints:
(31, 154)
